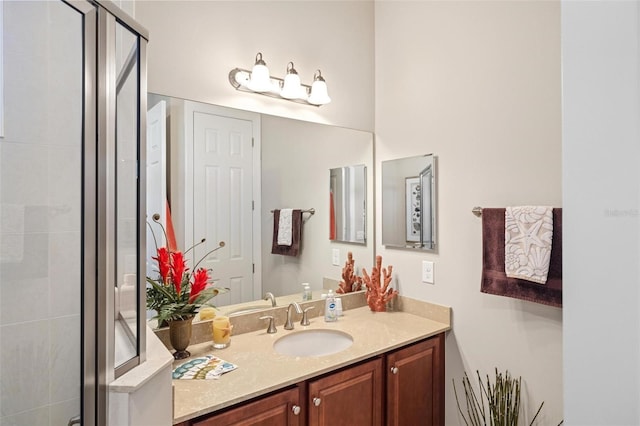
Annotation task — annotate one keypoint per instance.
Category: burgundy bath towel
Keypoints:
(494, 278)
(296, 234)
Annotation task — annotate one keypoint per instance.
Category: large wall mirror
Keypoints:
(409, 203)
(228, 169)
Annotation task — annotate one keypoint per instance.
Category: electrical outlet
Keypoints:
(427, 271)
(335, 257)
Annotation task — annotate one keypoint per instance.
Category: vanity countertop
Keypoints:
(262, 370)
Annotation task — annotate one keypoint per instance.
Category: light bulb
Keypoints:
(291, 88)
(319, 94)
(260, 78)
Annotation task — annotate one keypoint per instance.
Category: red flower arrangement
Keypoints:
(178, 293)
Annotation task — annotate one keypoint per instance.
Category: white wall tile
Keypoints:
(25, 178)
(64, 187)
(14, 294)
(37, 417)
(64, 361)
(33, 262)
(65, 274)
(61, 413)
(24, 360)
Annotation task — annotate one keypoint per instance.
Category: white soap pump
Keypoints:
(306, 291)
(330, 309)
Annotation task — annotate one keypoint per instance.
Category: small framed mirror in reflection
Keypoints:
(348, 204)
(409, 203)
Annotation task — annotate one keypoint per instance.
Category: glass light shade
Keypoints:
(260, 79)
(292, 89)
(243, 78)
(319, 94)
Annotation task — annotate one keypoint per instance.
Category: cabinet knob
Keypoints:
(394, 370)
(296, 409)
(317, 401)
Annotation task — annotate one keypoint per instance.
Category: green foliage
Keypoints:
(170, 305)
(495, 404)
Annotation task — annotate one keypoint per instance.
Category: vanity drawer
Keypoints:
(282, 408)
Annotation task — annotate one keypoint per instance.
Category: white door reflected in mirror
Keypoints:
(348, 204)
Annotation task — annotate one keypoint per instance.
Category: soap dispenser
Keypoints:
(306, 291)
(330, 311)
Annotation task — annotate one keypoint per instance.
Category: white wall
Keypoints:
(483, 95)
(194, 44)
(600, 63)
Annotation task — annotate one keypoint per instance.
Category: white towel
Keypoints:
(527, 235)
(285, 225)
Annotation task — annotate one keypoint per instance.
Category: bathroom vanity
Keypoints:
(393, 374)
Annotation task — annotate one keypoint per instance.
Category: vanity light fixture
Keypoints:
(290, 88)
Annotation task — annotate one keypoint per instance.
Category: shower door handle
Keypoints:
(74, 421)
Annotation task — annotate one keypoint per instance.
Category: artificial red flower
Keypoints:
(178, 268)
(164, 265)
(200, 279)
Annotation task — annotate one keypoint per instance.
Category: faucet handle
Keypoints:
(272, 327)
(305, 320)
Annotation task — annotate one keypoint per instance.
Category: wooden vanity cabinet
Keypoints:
(404, 387)
(280, 409)
(415, 384)
(349, 397)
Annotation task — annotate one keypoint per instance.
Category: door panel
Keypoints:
(156, 176)
(41, 195)
(222, 169)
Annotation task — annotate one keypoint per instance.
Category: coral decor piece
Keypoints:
(350, 281)
(378, 292)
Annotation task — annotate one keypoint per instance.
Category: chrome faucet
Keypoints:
(289, 325)
(271, 297)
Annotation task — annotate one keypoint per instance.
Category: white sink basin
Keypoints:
(313, 343)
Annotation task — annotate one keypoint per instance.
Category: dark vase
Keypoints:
(180, 335)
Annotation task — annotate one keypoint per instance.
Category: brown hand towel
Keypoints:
(296, 234)
(494, 278)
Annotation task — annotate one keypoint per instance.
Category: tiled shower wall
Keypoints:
(40, 200)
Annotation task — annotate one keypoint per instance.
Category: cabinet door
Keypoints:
(350, 397)
(280, 409)
(415, 384)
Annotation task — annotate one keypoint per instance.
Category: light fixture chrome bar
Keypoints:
(238, 74)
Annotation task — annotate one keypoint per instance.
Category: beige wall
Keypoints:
(476, 83)
(194, 44)
(483, 94)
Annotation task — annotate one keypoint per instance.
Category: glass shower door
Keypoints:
(41, 211)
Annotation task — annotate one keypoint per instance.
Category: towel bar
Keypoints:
(477, 211)
(311, 211)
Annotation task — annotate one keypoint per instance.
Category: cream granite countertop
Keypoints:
(262, 370)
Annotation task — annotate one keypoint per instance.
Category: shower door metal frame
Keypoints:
(109, 16)
(97, 292)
